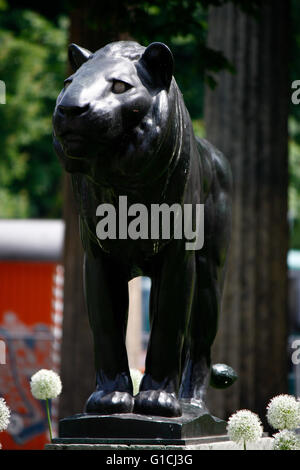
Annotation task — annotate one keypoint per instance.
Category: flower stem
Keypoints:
(245, 448)
(49, 420)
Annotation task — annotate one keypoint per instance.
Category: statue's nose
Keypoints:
(69, 109)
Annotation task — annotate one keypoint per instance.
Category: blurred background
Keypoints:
(235, 65)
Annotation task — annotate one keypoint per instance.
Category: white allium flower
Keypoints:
(244, 426)
(283, 412)
(4, 414)
(136, 377)
(45, 384)
(286, 440)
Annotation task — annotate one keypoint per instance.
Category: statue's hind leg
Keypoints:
(202, 331)
(209, 279)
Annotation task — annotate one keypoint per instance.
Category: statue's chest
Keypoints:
(118, 224)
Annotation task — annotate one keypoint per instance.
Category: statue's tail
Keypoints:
(222, 376)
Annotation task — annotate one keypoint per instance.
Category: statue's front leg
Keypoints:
(170, 304)
(106, 290)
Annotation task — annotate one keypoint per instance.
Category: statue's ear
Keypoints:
(77, 56)
(159, 62)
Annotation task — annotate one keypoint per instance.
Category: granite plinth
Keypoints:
(212, 443)
(133, 428)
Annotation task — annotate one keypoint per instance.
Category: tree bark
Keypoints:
(246, 118)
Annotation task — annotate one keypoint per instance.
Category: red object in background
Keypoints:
(28, 307)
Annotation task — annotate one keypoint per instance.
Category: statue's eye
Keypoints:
(120, 87)
(67, 83)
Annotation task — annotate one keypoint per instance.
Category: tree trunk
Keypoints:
(77, 364)
(246, 118)
(92, 26)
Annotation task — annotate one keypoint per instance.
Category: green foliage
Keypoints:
(294, 131)
(32, 65)
(294, 184)
(199, 128)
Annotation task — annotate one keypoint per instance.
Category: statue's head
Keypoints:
(108, 95)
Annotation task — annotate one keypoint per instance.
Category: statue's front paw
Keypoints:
(114, 402)
(157, 403)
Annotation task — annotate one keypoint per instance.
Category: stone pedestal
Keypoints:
(204, 443)
(135, 429)
(196, 429)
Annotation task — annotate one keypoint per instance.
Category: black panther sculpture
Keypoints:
(121, 129)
